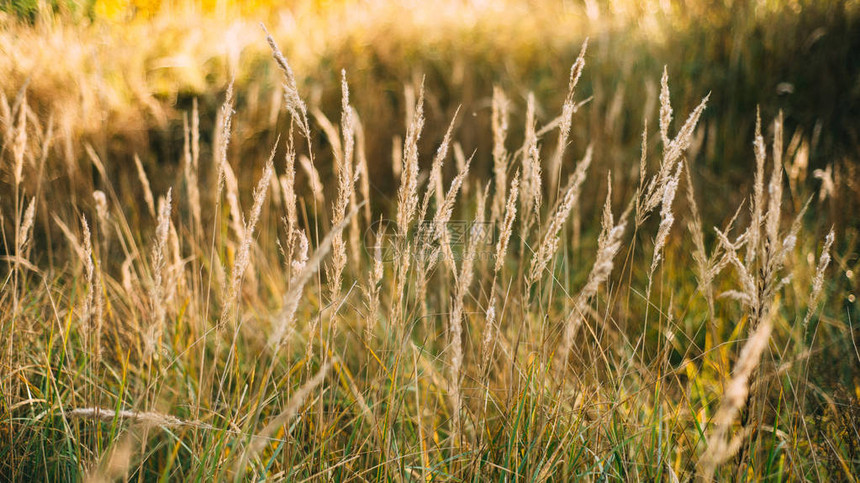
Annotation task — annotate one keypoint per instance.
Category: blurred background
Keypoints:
(118, 75)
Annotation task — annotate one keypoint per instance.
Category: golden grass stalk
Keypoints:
(685, 135)
(643, 159)
(284, 321)
(434, 187)
(608, 244)
(374, 283)
(288, 193)
(759, 278)
(455, 327)
(293, 101)
(300, 259)
(749, 293)
(500, 154)
(446, 210)
(700, 257)
(438, 185)
(666, 221)
(149, 419)
(489, 335)
(427, 253)
(232, 195)
(407, 198)
(156, 293)
(460, 162)
(652, 194)
(96, 281)
(70, 237)
(463, 282)
(665, 108)
(346, 187)
(718, 261)
(818, 280)
(263, 437)
(407, 194)
(222, 139)
(774, 187)
(92, 312)
(243, 256)
(362, 166)
(719, 447)
(89, 275)
(508, 224)
(144, 182)
(314, 177)
(757, 206)
(759, 284)
(26, 227)
(354, 226)
(531, 191)
(549, 245)
(510, 213)
(347, 122)
(191, 153)
(175, 271)
(568, 109)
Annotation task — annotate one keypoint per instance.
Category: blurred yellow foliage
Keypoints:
(118, 10)
(123, 9)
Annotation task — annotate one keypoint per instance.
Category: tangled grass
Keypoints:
(498, 327)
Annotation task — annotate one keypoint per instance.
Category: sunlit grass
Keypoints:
(636, 312)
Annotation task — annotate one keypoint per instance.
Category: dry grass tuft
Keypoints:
(427, 349)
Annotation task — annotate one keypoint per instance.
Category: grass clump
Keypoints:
(498, 327)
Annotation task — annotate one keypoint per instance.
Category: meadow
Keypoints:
(395, 241)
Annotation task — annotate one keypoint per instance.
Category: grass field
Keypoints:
(393, 241)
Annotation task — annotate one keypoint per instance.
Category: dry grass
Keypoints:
(508, 327)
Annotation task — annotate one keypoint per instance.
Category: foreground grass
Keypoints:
(283, 332)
